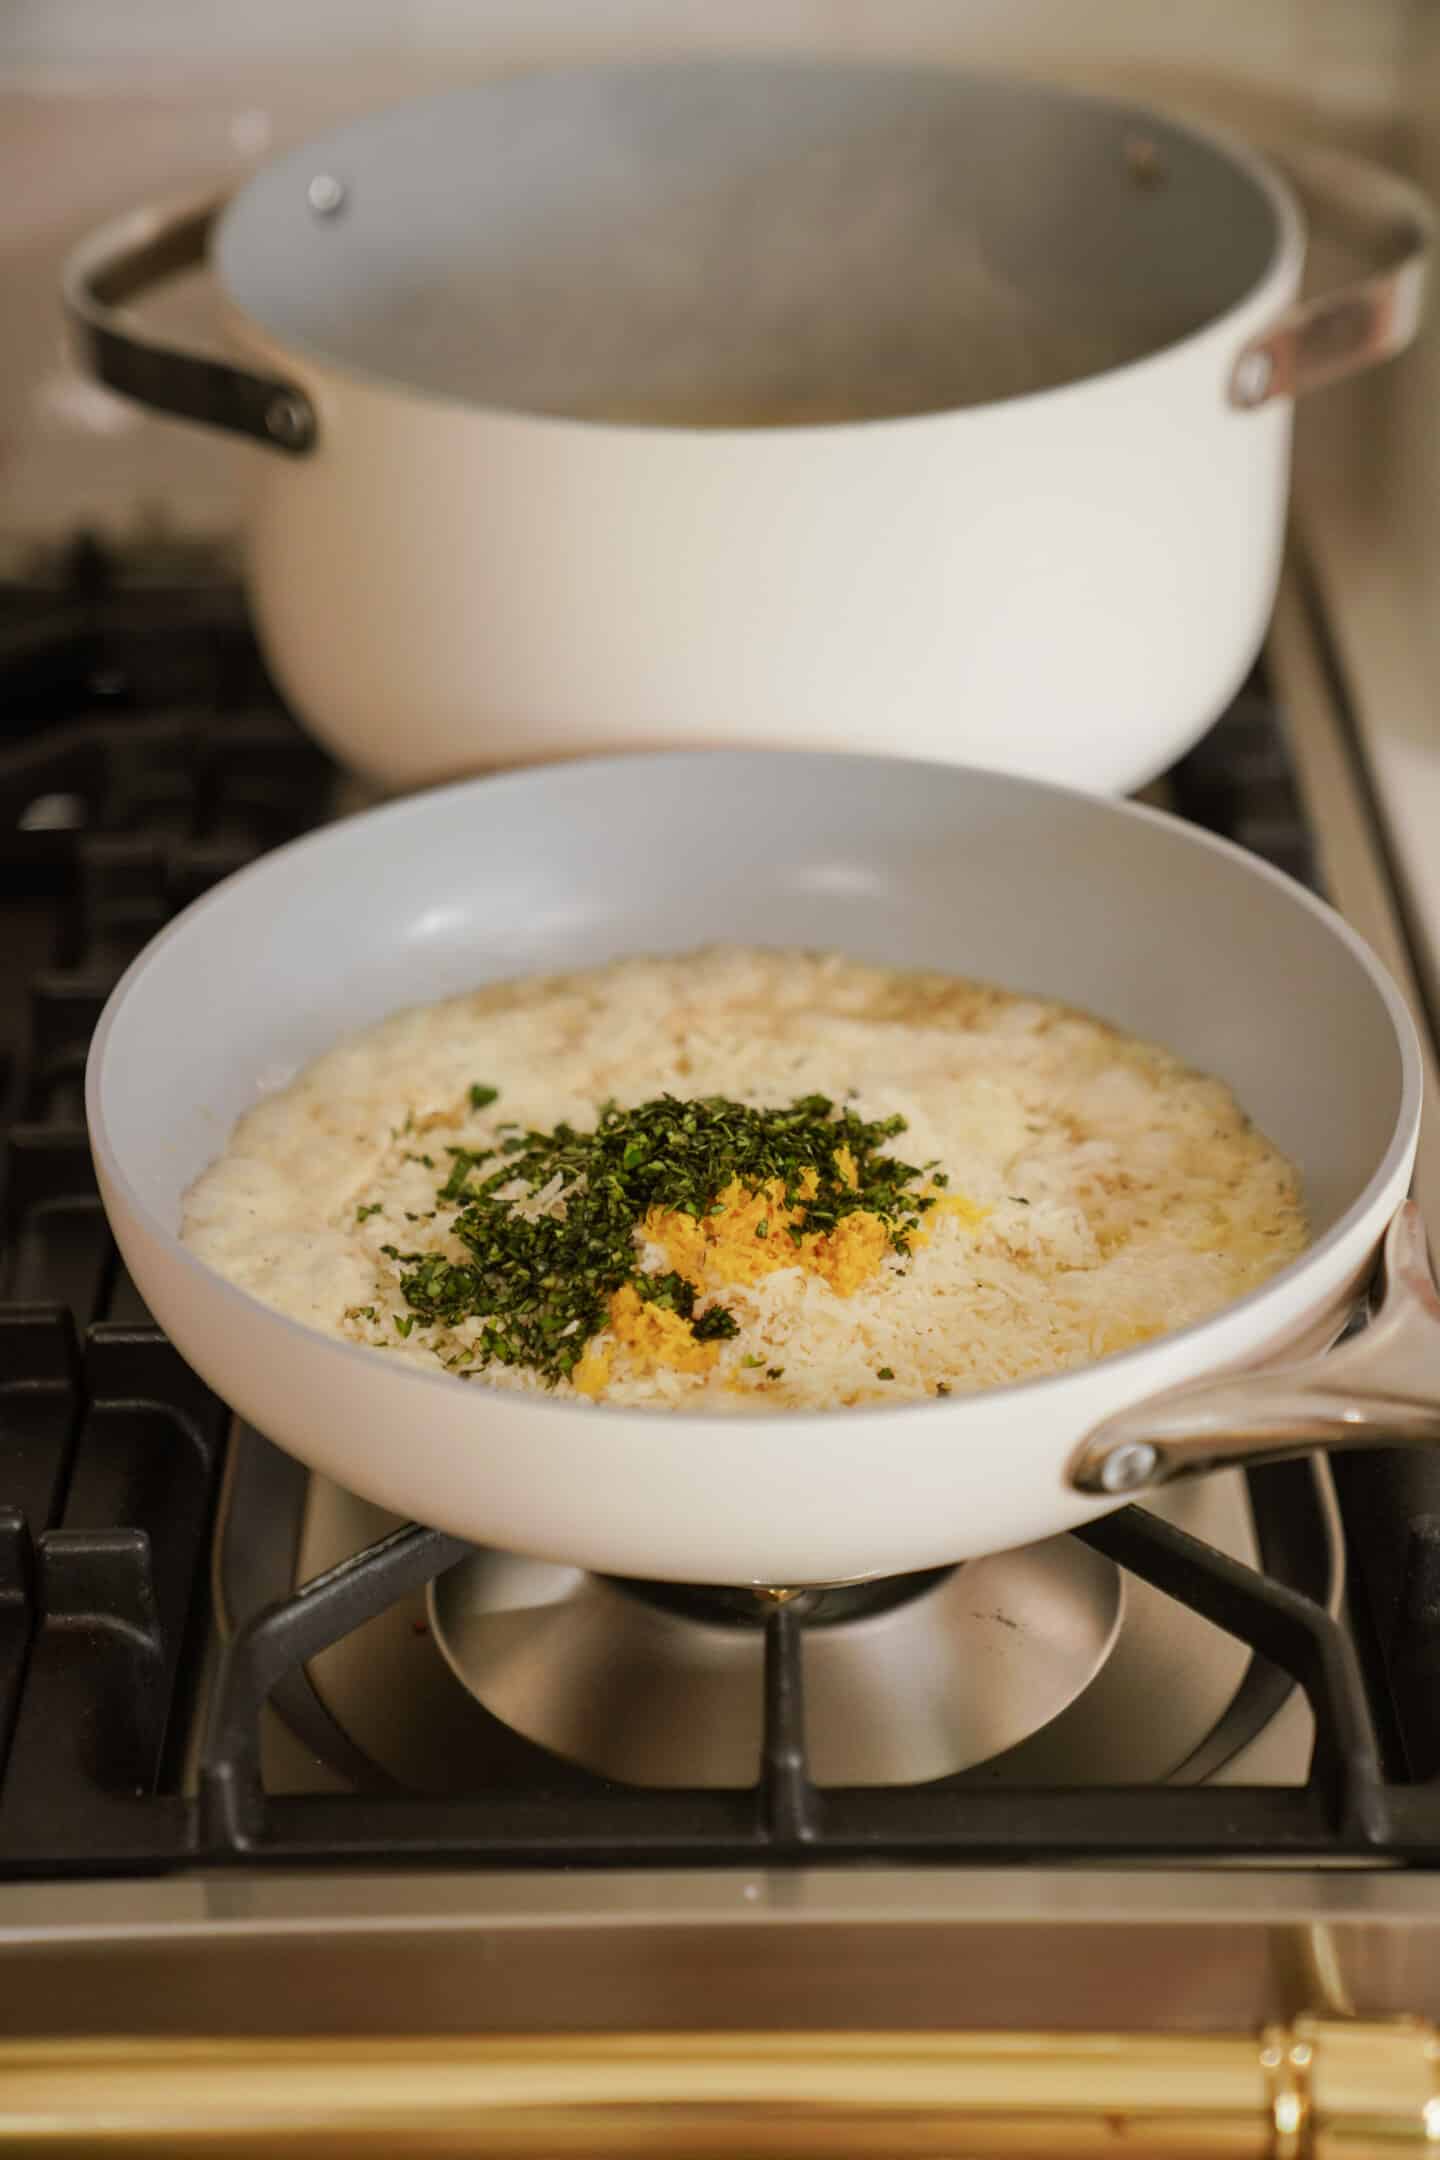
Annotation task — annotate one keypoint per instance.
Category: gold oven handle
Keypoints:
(1318, 2089)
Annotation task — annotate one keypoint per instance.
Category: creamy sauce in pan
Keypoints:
(1084, 1190)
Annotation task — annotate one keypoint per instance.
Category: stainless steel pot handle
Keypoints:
(1336, 334)
(1379, 1388)
(124, 259)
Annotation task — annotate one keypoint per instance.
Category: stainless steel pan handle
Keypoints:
(1380, 1388)
(126, 258)
(1324, 339)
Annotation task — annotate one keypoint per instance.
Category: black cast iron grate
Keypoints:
(142, 756)
(1345, 1806)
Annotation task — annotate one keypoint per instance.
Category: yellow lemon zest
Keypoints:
(745, 1238)
(592, 1375)
(651, 1336)
(850, 1254)
(966, 1211)
(746, 1241)
(728, 1248)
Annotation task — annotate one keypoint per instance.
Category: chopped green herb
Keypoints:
(462, 1162)
(884, 1372)
(482, 1096)
(363, 1214)
(751, 1363)
(762, 1228)
(940, 1178)
(428, 1161)
(1018, 1198)
(540, 1288)
(716, 1325)
(672, 1292)
(774, 1372)
(403, 1323)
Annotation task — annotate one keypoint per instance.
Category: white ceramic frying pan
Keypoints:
(1121, 910)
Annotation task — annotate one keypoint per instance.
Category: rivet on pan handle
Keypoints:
(126, 258)
(1380, 1388)
(1324, 339)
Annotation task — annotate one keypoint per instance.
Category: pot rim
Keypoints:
(1273, 288)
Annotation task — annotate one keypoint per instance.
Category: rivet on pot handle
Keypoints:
(126, 258)
(1379, 1388)
(1336, 334)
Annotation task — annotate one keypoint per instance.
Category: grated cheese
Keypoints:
(1091, 1192)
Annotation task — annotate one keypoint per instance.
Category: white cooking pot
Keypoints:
(1135, 916)
(768, 402)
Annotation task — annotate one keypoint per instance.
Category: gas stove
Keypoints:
(215, 1665)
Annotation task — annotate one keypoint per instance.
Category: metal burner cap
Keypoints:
(653, 1692)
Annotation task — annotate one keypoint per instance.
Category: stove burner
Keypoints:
(905, 1680)
(820, 1605)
